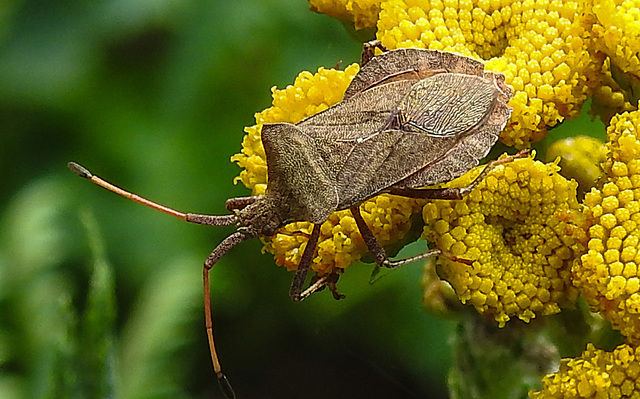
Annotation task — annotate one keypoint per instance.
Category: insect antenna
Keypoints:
(211, 220)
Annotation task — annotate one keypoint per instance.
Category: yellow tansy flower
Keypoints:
(607, 275)
(518, 227)
(595, 374)
(541, 47)
(363, 13)
(340, 244)
(538, 45)
(616, 30)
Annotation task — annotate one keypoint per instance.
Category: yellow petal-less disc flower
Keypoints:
(538, 45)
(616, 33)
(518, 226)
(363, 13)
(340, 243)
(607, 275)
(595, 374)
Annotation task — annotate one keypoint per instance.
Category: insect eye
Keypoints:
(268, 230)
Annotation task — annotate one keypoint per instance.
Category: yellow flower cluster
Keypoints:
(363, 13)
(616, 31)
(580, 159)
(538, 45)
(595, 374)
(608, 274)
(518, 226)
(340, 243)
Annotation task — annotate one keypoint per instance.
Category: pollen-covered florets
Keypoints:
(538, 45)
(615, 42)
(595, 374)
(518, 228)
(607, 275)
(608, 97)
(340, 243)
(617, 31)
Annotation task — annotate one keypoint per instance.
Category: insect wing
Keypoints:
(410, 64)
(450, 121)
(354, 150)
(471, 146)
(358, 117)
(448, 104)
(338, 130)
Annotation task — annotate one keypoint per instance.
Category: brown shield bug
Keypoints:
(410, 118)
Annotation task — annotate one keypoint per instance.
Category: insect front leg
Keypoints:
(240, 202)
(319, 283)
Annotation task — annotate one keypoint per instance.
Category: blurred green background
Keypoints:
(101, 297)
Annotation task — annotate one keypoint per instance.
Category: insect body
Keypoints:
(410, 118)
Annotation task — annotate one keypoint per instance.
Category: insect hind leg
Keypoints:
(379, 253)
(454, 193)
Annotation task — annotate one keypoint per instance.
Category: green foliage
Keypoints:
(101, 297)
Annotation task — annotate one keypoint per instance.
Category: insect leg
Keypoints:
(328, 280)
(317, 285)
(331, 284)
(240, 202)
(374, 246)
(228, 243)
(303, 267)
(454, 193)
(369, 49)
(379, 253)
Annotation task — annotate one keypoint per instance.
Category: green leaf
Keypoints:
(40, 325)
(98, 343)
(162, 325)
